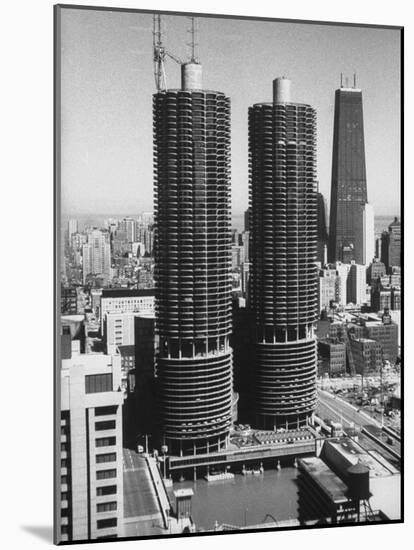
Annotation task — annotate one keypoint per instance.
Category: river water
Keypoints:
(244, 500)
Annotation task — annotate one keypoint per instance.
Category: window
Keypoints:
(64, 495)
(105, 523)
(63, 479)
(64, 529)
(103, 411)
(64, 463)
(105, 425)
(63, 447)
(107, 490)
(105, 441)
(95, 383)
(106, 507)
(64, 513)
(106, 457)
(105, 474)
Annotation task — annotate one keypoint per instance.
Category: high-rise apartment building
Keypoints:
(237, 256)
(193, 264)
(391, 245)
(96, 255)
(245, 241)
(349, 183)
(72, 228)
(342, 283)
(356, 284)
(328, 285)
(375, 271)
(91, 488)
(128, 226)
(247, 214)
(149, 240)
(283, 194)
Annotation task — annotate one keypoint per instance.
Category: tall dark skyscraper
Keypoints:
(283, 193)
(193, 264)
(349, 183)
(322, 248)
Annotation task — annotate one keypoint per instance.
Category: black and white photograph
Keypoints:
(229, 274)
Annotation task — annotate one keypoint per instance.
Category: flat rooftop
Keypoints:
(354, 454)
(125, 292)
(181, 493)
(325, 478)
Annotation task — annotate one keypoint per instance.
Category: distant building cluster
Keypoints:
(357, 343)
(120, 254)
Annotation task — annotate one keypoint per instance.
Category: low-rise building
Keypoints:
(386, 334)
(68, 300)
(381, 298)
(367, 355)
(126, 300)
(334, 353)
(118, 331)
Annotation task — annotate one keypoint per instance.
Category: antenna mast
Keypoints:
(193, 43)
(160, 53)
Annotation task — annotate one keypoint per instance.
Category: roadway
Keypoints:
(142, 516)
(336, 409)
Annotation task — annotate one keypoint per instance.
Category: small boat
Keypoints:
(219, 476)
(278, 466)
(253, 472)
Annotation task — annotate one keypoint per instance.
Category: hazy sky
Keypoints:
(108, 82)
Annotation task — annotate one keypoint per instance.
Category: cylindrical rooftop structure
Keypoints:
(358, 482)
(191, 76)
(281, 90)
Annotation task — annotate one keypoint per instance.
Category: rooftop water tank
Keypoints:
(358, 482)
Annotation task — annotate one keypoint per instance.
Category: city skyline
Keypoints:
(195, 353)
(107, 133)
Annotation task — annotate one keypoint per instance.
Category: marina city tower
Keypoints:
(283, 195)
(193, 264)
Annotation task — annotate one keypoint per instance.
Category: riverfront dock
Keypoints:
(252, 449)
